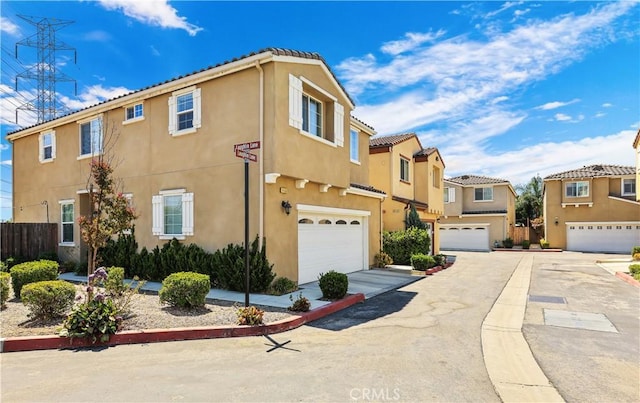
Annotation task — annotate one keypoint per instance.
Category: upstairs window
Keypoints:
(47, 147)
(483, 194)
(577, 189)
(133, 113)
(449, 195)
(311, 115)
(354, 146)
(404, 169)
(91, 137)
(628, 187)
(184, 111)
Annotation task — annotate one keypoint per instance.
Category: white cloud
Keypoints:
(6, 25)
(519, 166)
(93, 95)
(599, 115)
(153, 12)
(6, 162)
(154, 51)
(411, 41)
(97, 36)
(556, 104)
(499, 99)
(561, 117)
(4, 147)
(607, 105)
(504, 7)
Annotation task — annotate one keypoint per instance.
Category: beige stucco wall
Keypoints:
(148, 159)
(498, 225)
(604, 209)
(637, 150)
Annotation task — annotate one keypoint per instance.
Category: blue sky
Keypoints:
(503, 89)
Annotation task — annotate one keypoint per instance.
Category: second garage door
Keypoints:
(464, 237)
(331, 242)
(603, 237)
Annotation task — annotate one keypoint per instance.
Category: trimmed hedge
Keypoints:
(422, 262)
(185, 289)
(333, 285)
(401, 245)
(31, 272)
(48, 299)
(5, 279)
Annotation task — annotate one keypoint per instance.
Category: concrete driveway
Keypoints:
(418, 343)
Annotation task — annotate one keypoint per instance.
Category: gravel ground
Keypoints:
(146, 313)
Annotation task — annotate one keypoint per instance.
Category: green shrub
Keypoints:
(333, 285)
(96, 319)
(634, 268)
(250, 316)
(119, 252)
(382, 260)
(230, 268)
(301, 304)
(507, 243)
(31, 272)
(635, 250)
(119, 291)
(81, 268)
(544, 244)
(635, 257)
(282, 285)
(185, 289)
(400, 245)
(4, 268)
(5, 279)
(51, 255)
(440, 259)
(422, 262)
(526, 244)
(48, 299)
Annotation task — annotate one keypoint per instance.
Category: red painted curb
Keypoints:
(629, 279)
(28, 343)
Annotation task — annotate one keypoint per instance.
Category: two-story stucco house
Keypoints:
(636, 146)
(592, 209)
(175, 153)
(478, 212)
(409, 174)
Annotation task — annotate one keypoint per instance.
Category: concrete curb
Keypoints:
(627, 278)
(29, 343)
(526, 250)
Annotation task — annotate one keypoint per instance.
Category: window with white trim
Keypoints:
(577, 189)
(628, 187)
(185, 111)
(449, 195)
(134, 113)
(404, 169)
(172, 214)
(91, 137)
(483, 194)
(47, 146)
(315, 112)
(66, 222)
(354, 145)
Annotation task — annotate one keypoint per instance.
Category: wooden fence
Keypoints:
(524, 233)
(27, 240)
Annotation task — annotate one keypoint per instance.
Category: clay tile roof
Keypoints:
(425, 151)
(361, 122)
(594, 171)
(273, 51)
(469, 180)
(369, 188)
(387, 141)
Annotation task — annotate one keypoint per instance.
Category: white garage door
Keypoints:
(464, 237)
(330, 242)
(603, 237)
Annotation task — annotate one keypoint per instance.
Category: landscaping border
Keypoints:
(29, 343)
(628, 278)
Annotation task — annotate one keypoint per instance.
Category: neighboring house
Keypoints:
(592, 209)
(478, 213)
(408, 174)
(636, 146)
(175, 155)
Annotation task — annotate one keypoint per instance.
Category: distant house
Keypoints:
(592, 209)
(636, 146)
(478, 212)
(410, 175)
(310, 195)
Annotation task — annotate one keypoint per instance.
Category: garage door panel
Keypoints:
(464, 238)
(603, 237)
(336, 246)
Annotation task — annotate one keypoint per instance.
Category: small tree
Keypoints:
(110, 211)
(413, 219)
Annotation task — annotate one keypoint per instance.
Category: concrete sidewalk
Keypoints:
(367, 282)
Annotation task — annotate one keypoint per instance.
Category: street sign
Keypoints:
(252, 145)
(246, 155)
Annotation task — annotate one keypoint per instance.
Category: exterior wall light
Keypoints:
(286, 206)
(556, 221)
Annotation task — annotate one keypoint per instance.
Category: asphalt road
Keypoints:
(419, 343)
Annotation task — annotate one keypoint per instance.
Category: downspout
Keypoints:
(261, 159)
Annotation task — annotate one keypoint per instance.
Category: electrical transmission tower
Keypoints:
(45, 71)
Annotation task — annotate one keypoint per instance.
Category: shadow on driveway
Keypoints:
(374, 308)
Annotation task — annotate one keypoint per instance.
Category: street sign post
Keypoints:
(242, 151)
